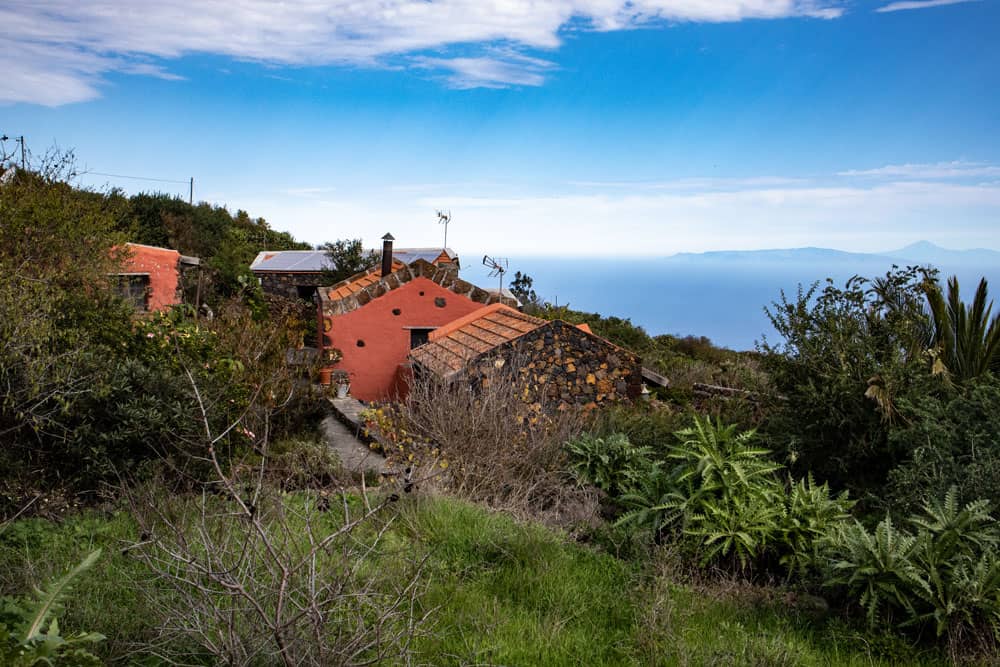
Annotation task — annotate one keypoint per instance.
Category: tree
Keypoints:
(520, 287)
(849, 354)
(347, 257)
(967, 340)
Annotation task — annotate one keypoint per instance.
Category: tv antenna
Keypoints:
(498, 267)
(444, 219)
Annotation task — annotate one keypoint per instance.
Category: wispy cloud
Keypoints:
(922, 171)
(58, 51)
(489, 71)
(919, 4)
(858, 213)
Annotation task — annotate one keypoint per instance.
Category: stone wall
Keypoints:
(287, 284)
(560, 366)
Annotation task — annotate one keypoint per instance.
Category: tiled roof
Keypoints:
(355, 292)
(312, 261)
(355, 284)
(452, 346)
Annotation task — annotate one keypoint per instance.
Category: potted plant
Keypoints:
(342, 381)
(330, 356)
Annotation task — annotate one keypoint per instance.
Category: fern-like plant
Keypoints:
(945, 573)
(810, 514)
(612, 464)
(29, 630)
(721, 490)
(877, 568)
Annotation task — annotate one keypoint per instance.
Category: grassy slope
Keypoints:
(503, 593)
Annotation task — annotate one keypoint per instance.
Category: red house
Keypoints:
(151, 279)
(372, 320)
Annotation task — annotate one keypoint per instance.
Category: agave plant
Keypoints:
(967, 340)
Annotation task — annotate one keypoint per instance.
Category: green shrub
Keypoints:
(810, 514)
(716, 489)
(848, 357)
(952, 440)
(944, 572)
(721, 490)
(612, 464)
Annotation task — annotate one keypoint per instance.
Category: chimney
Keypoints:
(387, 254)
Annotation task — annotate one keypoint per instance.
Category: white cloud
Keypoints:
(856, 214)
(511, 69)
(918, 4)
(937, 170)
(58, 50)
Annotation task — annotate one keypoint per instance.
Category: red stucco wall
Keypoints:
(374, 368)
(162, 266)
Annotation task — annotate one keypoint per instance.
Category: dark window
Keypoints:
(418, 337)
(135, 290)
(305, 292)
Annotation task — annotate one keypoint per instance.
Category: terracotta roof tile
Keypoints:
(450, 347)
(355, 284)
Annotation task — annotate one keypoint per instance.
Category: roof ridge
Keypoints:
(477, 314)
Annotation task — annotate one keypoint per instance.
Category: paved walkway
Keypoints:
(354, 455)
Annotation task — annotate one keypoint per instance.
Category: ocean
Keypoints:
(719, 296)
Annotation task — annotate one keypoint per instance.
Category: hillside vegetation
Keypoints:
(165, 496)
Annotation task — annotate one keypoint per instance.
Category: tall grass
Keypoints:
(501, 592)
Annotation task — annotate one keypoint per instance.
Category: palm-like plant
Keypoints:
(968, 341)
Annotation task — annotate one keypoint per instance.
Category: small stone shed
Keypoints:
(561, 364)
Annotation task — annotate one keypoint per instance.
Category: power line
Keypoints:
(137, 178)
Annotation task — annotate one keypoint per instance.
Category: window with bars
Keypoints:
(134, 288)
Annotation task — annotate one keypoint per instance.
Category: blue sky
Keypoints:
(585, 127)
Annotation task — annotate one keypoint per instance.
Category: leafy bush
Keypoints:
(727, 490)
(952, 440)
(944, 572)
(716, 488)
(849, 356)
(810, 515)
(611, 463)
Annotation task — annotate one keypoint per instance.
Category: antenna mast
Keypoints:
(498, 267)
(444, 219)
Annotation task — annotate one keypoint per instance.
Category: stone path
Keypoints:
(354, 454)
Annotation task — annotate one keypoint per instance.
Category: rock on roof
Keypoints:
(313, 261)
(358, 290)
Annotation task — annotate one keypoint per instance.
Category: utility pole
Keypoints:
(191, 191)
(19, 140)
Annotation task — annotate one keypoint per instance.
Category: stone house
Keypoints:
(369, 323)
(299, 273)
(560, 364)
